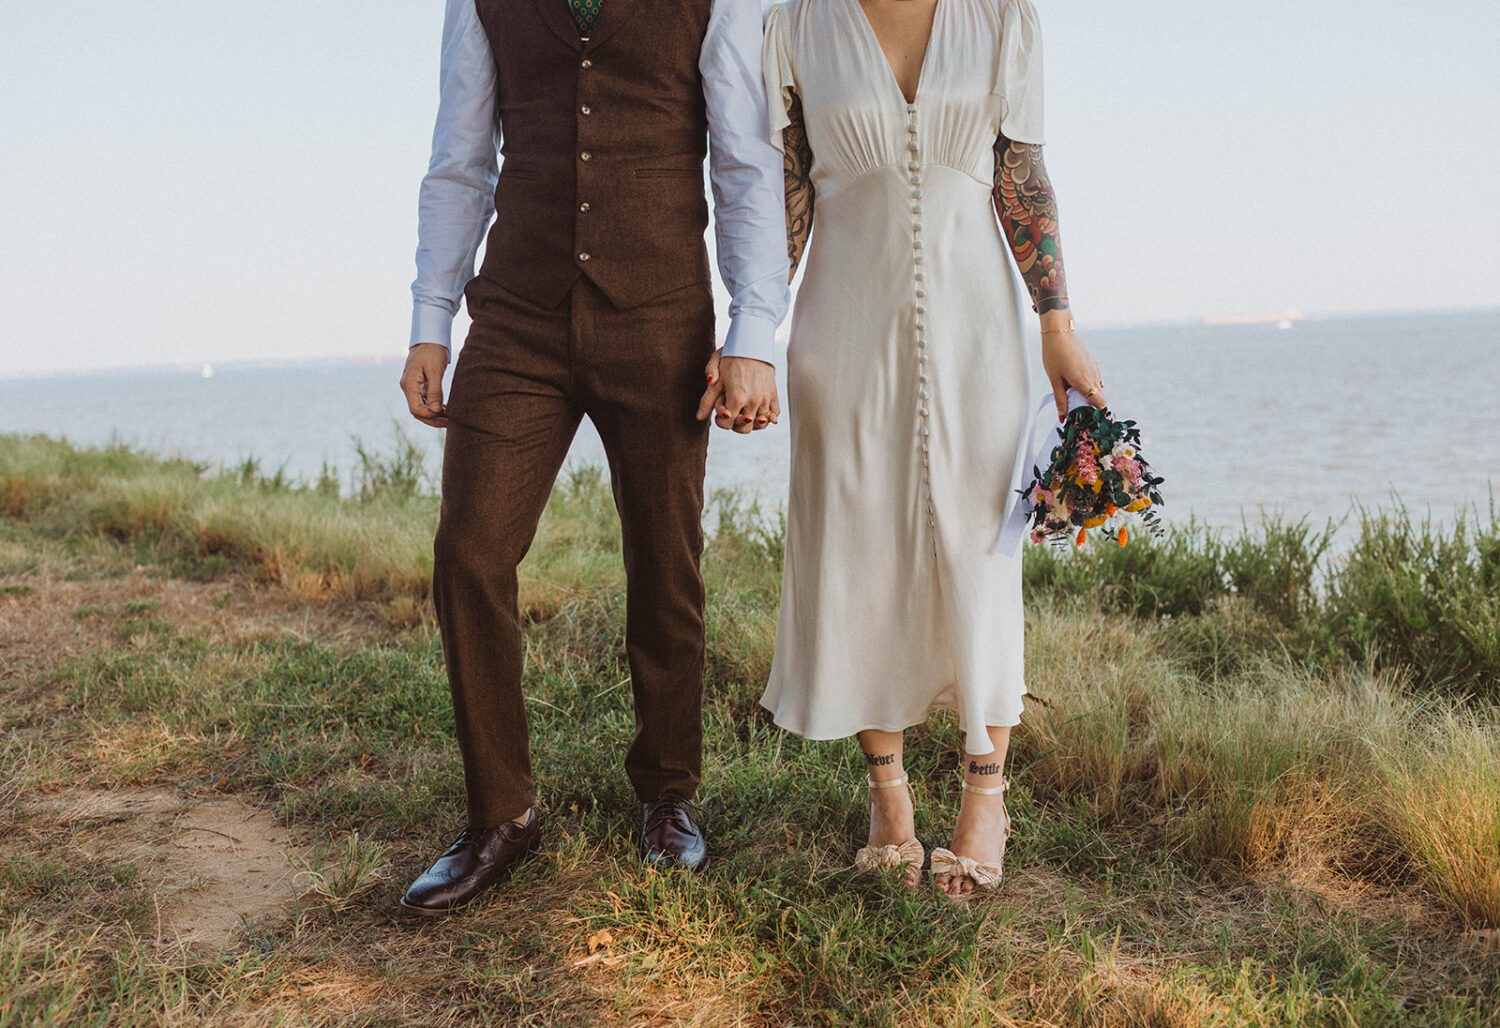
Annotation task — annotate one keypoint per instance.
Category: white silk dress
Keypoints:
(907, 374)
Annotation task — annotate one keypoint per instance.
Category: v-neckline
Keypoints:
(874, 37)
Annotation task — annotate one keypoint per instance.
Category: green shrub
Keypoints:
(1423, 598)
(1417, 597)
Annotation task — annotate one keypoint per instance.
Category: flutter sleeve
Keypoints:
(778, 73)
(1018, 72)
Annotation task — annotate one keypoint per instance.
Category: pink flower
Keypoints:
(1088, 466)
(1129, 469)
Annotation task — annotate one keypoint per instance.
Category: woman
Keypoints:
(906, 126)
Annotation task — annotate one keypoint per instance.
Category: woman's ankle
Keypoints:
(892, 815)
(883, 752)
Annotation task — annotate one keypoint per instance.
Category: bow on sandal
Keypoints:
(881, 858)
(908, 854)
(984, 874)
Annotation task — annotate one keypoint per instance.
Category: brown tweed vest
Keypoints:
(603, 145)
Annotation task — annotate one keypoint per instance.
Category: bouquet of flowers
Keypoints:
(1096, 479)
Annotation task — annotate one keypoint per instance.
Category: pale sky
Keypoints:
(189, 181)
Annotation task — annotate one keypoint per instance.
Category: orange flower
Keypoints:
(1140, 504)
(1095, 521)
(1110, 509)
(1124, 536)
(1082, 536)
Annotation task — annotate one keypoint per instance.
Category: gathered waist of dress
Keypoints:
(948, 177)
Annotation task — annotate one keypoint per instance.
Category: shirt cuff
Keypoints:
(753, 337)
(430, 324)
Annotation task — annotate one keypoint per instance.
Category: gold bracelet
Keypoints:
(1058, 331)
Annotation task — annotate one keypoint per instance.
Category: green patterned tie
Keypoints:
(585, 13)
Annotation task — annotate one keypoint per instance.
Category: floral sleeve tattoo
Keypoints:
(1028, 212)
(797, 166)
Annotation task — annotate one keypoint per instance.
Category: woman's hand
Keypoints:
(1068, 363)
(741, 394)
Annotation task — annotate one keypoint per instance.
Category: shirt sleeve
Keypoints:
(457, 197)
(1018, 73)
(745, 171)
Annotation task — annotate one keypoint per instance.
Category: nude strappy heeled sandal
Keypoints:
(985, 875)
(908, 854)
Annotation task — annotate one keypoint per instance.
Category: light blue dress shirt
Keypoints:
(745, 170)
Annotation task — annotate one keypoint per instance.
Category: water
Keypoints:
(1241, 420)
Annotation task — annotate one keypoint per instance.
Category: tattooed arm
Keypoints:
(799, 186)
(1028, 211)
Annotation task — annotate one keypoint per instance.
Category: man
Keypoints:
(593, 299)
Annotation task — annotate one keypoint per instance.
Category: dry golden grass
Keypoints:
(1439, 798)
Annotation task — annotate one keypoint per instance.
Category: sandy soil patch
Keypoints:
(215, 863)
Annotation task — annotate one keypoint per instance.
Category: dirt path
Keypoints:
(213, 863)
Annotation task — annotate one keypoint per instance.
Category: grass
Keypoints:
(1417, 599)
(1231, 806)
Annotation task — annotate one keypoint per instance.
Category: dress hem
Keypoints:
(779, 722)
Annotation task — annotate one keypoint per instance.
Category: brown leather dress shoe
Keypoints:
(670, 837)
(478, 858)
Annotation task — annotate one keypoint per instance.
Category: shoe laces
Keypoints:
(670, 807)
(468, 836)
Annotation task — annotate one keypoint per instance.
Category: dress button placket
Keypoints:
(919, 288)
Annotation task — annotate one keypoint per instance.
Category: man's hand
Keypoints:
(741, 394)
(422, 382)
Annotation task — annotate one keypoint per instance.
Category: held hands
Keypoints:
(422, 382)
(741, 394)
(1068, 363)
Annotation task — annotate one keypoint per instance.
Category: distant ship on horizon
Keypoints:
(1282, 321)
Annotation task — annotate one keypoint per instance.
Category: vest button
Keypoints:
(585, 109)
(584, 207)
(585, 156)
(583, 256)
(585, 63)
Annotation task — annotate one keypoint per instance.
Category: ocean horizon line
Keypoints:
(1206, 322)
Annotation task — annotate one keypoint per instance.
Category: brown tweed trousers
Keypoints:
(593, 300)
